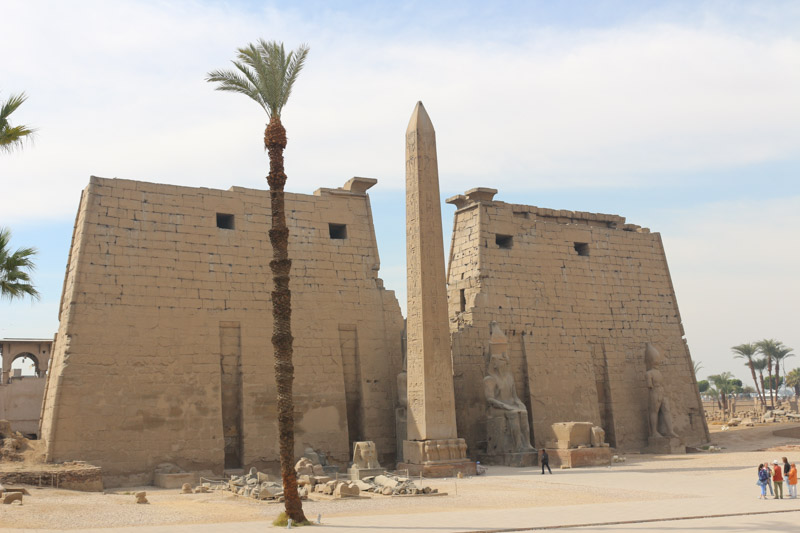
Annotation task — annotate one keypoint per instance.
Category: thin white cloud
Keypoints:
(117, 90)
(734, 266)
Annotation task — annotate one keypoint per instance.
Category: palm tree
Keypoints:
(266, 73)
(723, 383)
(698, 365)
(781, 353)
(15, 282)
(793, 380)
(748, 351)
(12, 136)
(768, 348)
(759, 365)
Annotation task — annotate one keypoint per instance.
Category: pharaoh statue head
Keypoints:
(498, 349)
(652, 356)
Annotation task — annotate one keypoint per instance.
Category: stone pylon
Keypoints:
(433, 447)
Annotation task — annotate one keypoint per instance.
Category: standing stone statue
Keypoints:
(659, 403)
(659, 412)
(502, 399)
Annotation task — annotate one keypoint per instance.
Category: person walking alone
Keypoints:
(791, 480)
(545, 461)
(777, 479)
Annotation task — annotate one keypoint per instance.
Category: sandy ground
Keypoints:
(645, 487)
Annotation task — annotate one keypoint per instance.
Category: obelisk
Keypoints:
(432, 446)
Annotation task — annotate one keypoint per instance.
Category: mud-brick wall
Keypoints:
(579, 295)
(165, 303)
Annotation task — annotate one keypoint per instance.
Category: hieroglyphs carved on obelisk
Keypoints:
(432, 437)
(431, 403)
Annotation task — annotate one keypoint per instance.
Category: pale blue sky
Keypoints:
(681, 116)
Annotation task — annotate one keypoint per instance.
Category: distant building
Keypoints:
(20, 395)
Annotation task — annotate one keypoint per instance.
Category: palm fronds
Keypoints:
(15, 281)
(12, 137)
(264, 72)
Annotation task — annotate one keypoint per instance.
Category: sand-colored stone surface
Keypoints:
(659, 490)
(163, 352)
(579, 295)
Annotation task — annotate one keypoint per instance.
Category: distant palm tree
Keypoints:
(781, 354)
(698, 366)
(793, 380)
(723, 384)
(11, 137)
(15, 281)
(747, 352)
(759, 365)
(266, 73)
(768, 348)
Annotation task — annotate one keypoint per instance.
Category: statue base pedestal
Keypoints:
(577, 457)
(355, 473)
(436, 458)
(665, 445)
(516, 459)
(468, 468)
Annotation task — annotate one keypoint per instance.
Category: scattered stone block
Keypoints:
(10, 497)
(304, 467)
(141, 497)
(385, 481)
(186, 489)
(344, 490)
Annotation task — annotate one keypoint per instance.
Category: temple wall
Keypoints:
(164, 347)
(578, 295)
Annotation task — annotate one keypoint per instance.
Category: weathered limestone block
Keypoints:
(664, 445)
(344, 490)
(186, 489)
(304, 467)
(598, 437)
(385, 481)
(141, 497)
(10, 497)
(572, 434)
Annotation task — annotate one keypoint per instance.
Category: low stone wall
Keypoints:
(86, 479)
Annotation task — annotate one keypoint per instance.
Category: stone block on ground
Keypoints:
(344, 490)
(10, 497)
(141, 497)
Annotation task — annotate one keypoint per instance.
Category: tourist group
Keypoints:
(775, 475)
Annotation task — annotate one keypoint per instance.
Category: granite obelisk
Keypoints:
(432, 446)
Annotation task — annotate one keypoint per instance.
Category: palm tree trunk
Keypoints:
(755, 380)
(769, 370)
(275, 142)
